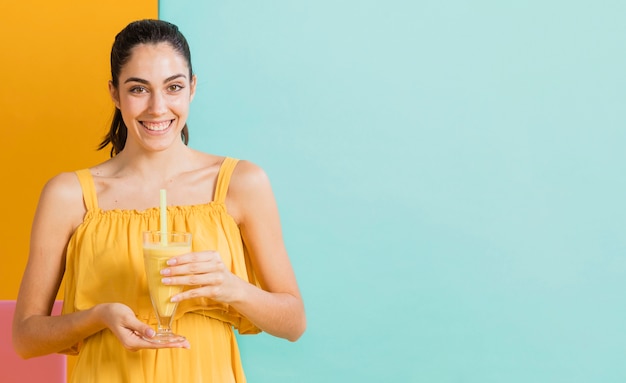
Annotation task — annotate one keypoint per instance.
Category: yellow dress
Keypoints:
(104, 263)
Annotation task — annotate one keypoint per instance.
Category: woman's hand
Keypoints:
(206, 272)
(121, 320)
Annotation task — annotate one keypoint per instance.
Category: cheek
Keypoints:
(131, 110)
(180, 105)
(131, 104)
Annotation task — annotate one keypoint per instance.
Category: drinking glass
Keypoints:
(158, 247)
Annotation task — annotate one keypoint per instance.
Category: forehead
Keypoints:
(154, 59)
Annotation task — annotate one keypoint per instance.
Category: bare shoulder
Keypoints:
(248, 175)
(63, 195)
(249, 187)
(63, 187)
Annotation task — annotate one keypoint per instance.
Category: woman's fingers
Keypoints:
(143, 344)
(136, 339)
(205, 279)
(211, 292)
(205, 272)
(197, 256)
(131, 331)
(193, 263)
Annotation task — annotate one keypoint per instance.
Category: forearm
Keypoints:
(39, 335)
(278, 314)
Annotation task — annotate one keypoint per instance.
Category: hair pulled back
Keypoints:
(140, 32)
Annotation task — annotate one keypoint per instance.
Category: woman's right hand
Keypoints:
(121, 320)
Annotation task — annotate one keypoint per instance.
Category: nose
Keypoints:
(158, 103)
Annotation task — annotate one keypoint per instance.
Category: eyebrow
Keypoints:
(142, 81)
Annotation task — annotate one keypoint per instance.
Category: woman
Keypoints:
(88, 228)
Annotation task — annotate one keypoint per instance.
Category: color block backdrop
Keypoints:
(55, 105)
(449, 175)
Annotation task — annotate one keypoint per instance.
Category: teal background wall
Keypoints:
(450, 176)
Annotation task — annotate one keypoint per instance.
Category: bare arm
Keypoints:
(277, 308)
(35, 332)
(59, 211)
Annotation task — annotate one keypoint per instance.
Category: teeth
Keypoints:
(156, 126)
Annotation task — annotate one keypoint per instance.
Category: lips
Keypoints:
(156, 126)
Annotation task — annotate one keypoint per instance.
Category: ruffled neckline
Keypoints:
(156, 210)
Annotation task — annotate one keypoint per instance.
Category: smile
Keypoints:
(156, 126)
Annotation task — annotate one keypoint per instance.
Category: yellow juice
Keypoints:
(155, 255)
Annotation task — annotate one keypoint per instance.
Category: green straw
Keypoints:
(163, 218)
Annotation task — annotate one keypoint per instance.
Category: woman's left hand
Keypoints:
(205, 272)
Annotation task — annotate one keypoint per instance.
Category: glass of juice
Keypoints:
(158, 247)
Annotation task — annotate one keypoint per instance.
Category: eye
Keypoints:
(174, 87)
(138, 89)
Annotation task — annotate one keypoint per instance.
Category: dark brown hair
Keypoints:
(135, 33)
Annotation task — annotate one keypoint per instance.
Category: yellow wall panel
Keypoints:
(54, 104)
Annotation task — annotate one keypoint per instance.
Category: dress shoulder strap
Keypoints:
(223, 178)
(89, 189)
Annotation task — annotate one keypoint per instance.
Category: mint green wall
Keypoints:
(450, 176)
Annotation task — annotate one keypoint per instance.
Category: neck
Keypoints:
(157, 166)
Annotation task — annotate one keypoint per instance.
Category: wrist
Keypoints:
(97, 316)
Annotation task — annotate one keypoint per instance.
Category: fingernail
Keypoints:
(166, 281)
(175, 298)
(150, 333)
(171, 262)
(166, 272)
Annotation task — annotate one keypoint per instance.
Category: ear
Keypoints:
(115, 94)
(192, 86)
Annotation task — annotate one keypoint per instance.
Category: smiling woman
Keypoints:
(151, 41)
(89, 224)
(154, 95)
